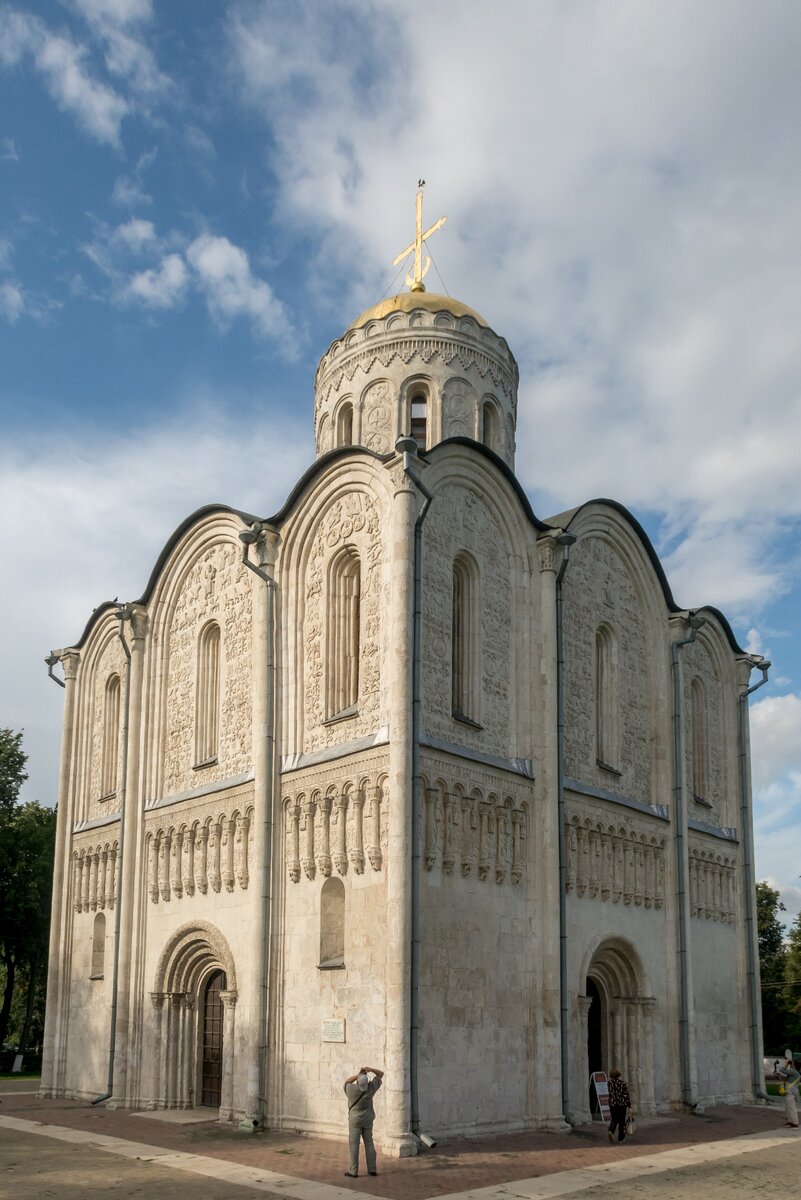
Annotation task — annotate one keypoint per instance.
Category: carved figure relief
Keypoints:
(378, 424)
(713, 885)
(342, 830)
(606, 862)
(94, 877)
(203, 856)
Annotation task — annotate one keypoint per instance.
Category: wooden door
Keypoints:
(211, 1051)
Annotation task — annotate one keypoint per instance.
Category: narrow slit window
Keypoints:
(344, 633)
(111, 737)
(700, 741)
(465, 641)
(207, 703)
(606, 699)
(418, 427)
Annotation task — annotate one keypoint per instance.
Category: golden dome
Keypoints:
(410, 301)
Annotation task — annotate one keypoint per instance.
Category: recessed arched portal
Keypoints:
(618, 1020)
(195, 1001)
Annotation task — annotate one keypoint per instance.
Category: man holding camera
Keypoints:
(359, 1091)
(791, 1081)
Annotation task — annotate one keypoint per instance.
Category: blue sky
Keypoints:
(197, 197)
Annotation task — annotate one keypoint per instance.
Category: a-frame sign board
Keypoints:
(601, 1084)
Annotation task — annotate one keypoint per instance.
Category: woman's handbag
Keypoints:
(631, 1124)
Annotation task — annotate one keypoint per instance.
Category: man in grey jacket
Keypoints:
(359, 1091)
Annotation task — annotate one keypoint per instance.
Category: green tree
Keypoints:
(772, 955)
(27, 837)
(792, 985)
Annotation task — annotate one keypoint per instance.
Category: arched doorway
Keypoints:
(618, 1021)
(211, 1041)
(195, 1006)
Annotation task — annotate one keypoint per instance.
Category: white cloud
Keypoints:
(12, 301)
(136, 234)
(776, 739)
(160, 287)
(9, 150)
(129, 193)
(120, 499)
(61, 61)
(127, 55)
(626, 177)
(232, 290)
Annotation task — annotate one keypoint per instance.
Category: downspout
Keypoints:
(680, 816)
(124, 613)
(749, 885)
(407, 446)
(565, 540)
(250, 537)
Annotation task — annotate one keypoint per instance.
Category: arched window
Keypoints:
(207, 696)
(607, 748)
(419, 413)
(700, 741)
(98, 946)
(332, 924)
(344, 594)
(345, 425)
(466, 641)
(111, 737)
(490, 426)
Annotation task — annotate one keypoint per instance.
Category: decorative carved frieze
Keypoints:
(94, 877)
(206, 854)
(615, 862)
(713, 885)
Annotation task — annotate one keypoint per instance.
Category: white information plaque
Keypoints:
(334, 1030)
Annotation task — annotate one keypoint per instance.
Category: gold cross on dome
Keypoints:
(415, 280)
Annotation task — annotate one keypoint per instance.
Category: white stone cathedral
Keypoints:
(406, 775)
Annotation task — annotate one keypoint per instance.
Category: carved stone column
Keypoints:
(469, 834)
(307, 827)
(582, 1068)
(241, 850)
(340, 833)
(449, 846)
(101, 878)
(153, 869)
(176, 855)
(503, 858)
(164, 865)
(324, 853)
(518, 843)
(111, 877)
(158, 1087)
(357, 847)
(215, 879)
(188, 862)
(374, 830)
(202, 860)
(228, 853)
(229, 999)
(484, 849)
(293, 841)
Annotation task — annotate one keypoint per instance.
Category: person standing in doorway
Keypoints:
(359, 1092)
(619, 1104)
(791, 1077)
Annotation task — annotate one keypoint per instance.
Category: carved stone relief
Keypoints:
(617, 862)
(713, 885)
(209, 855)
(352, 520)
(95, 876)
(335, 820)
(216, 588)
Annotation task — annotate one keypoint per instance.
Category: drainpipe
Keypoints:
(565, 540)
(124, 613)
(749, 885)
(407, 446)
(680, 816)
(261, 535)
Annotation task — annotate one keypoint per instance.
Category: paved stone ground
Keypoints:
(455, 1167)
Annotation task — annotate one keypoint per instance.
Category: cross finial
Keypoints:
(415, 280)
